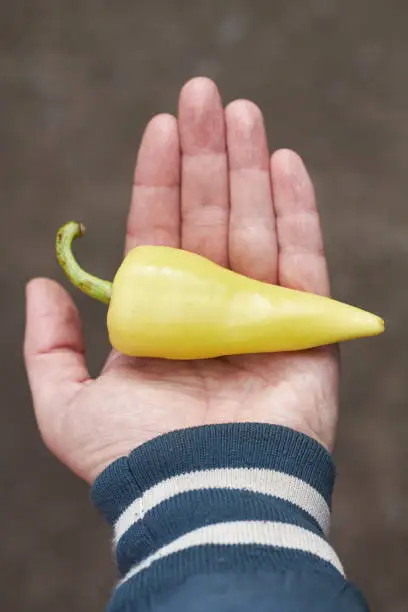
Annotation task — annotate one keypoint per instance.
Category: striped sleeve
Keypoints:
(229, 517)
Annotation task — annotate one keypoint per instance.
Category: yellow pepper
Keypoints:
(170, 303)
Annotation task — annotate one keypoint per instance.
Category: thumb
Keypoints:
(54, 350)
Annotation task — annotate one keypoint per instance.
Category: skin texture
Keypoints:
(204, 182)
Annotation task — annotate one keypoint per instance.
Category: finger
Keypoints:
(204, 198)
(154, 215)
(302, 264)
(53, 346)
(252, 233)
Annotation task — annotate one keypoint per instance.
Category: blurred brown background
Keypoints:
(79, 80)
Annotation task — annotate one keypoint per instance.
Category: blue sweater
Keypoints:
(225, 518)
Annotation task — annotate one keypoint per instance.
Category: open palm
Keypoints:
(205, 183)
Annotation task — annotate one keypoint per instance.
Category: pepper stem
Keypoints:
(93, 286)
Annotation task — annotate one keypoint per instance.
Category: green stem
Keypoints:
(93, 286)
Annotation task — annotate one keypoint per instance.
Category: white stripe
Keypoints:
(269, 482)
(263, 533)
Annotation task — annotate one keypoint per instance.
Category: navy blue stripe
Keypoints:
(114, 490)
(235, 445)
(172, 571)
(188, 511)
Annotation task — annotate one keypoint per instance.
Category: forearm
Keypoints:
(228, 518)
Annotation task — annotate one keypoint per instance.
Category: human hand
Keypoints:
(204, 183)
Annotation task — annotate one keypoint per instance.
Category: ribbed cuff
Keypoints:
(235, 445)
(219, 498)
